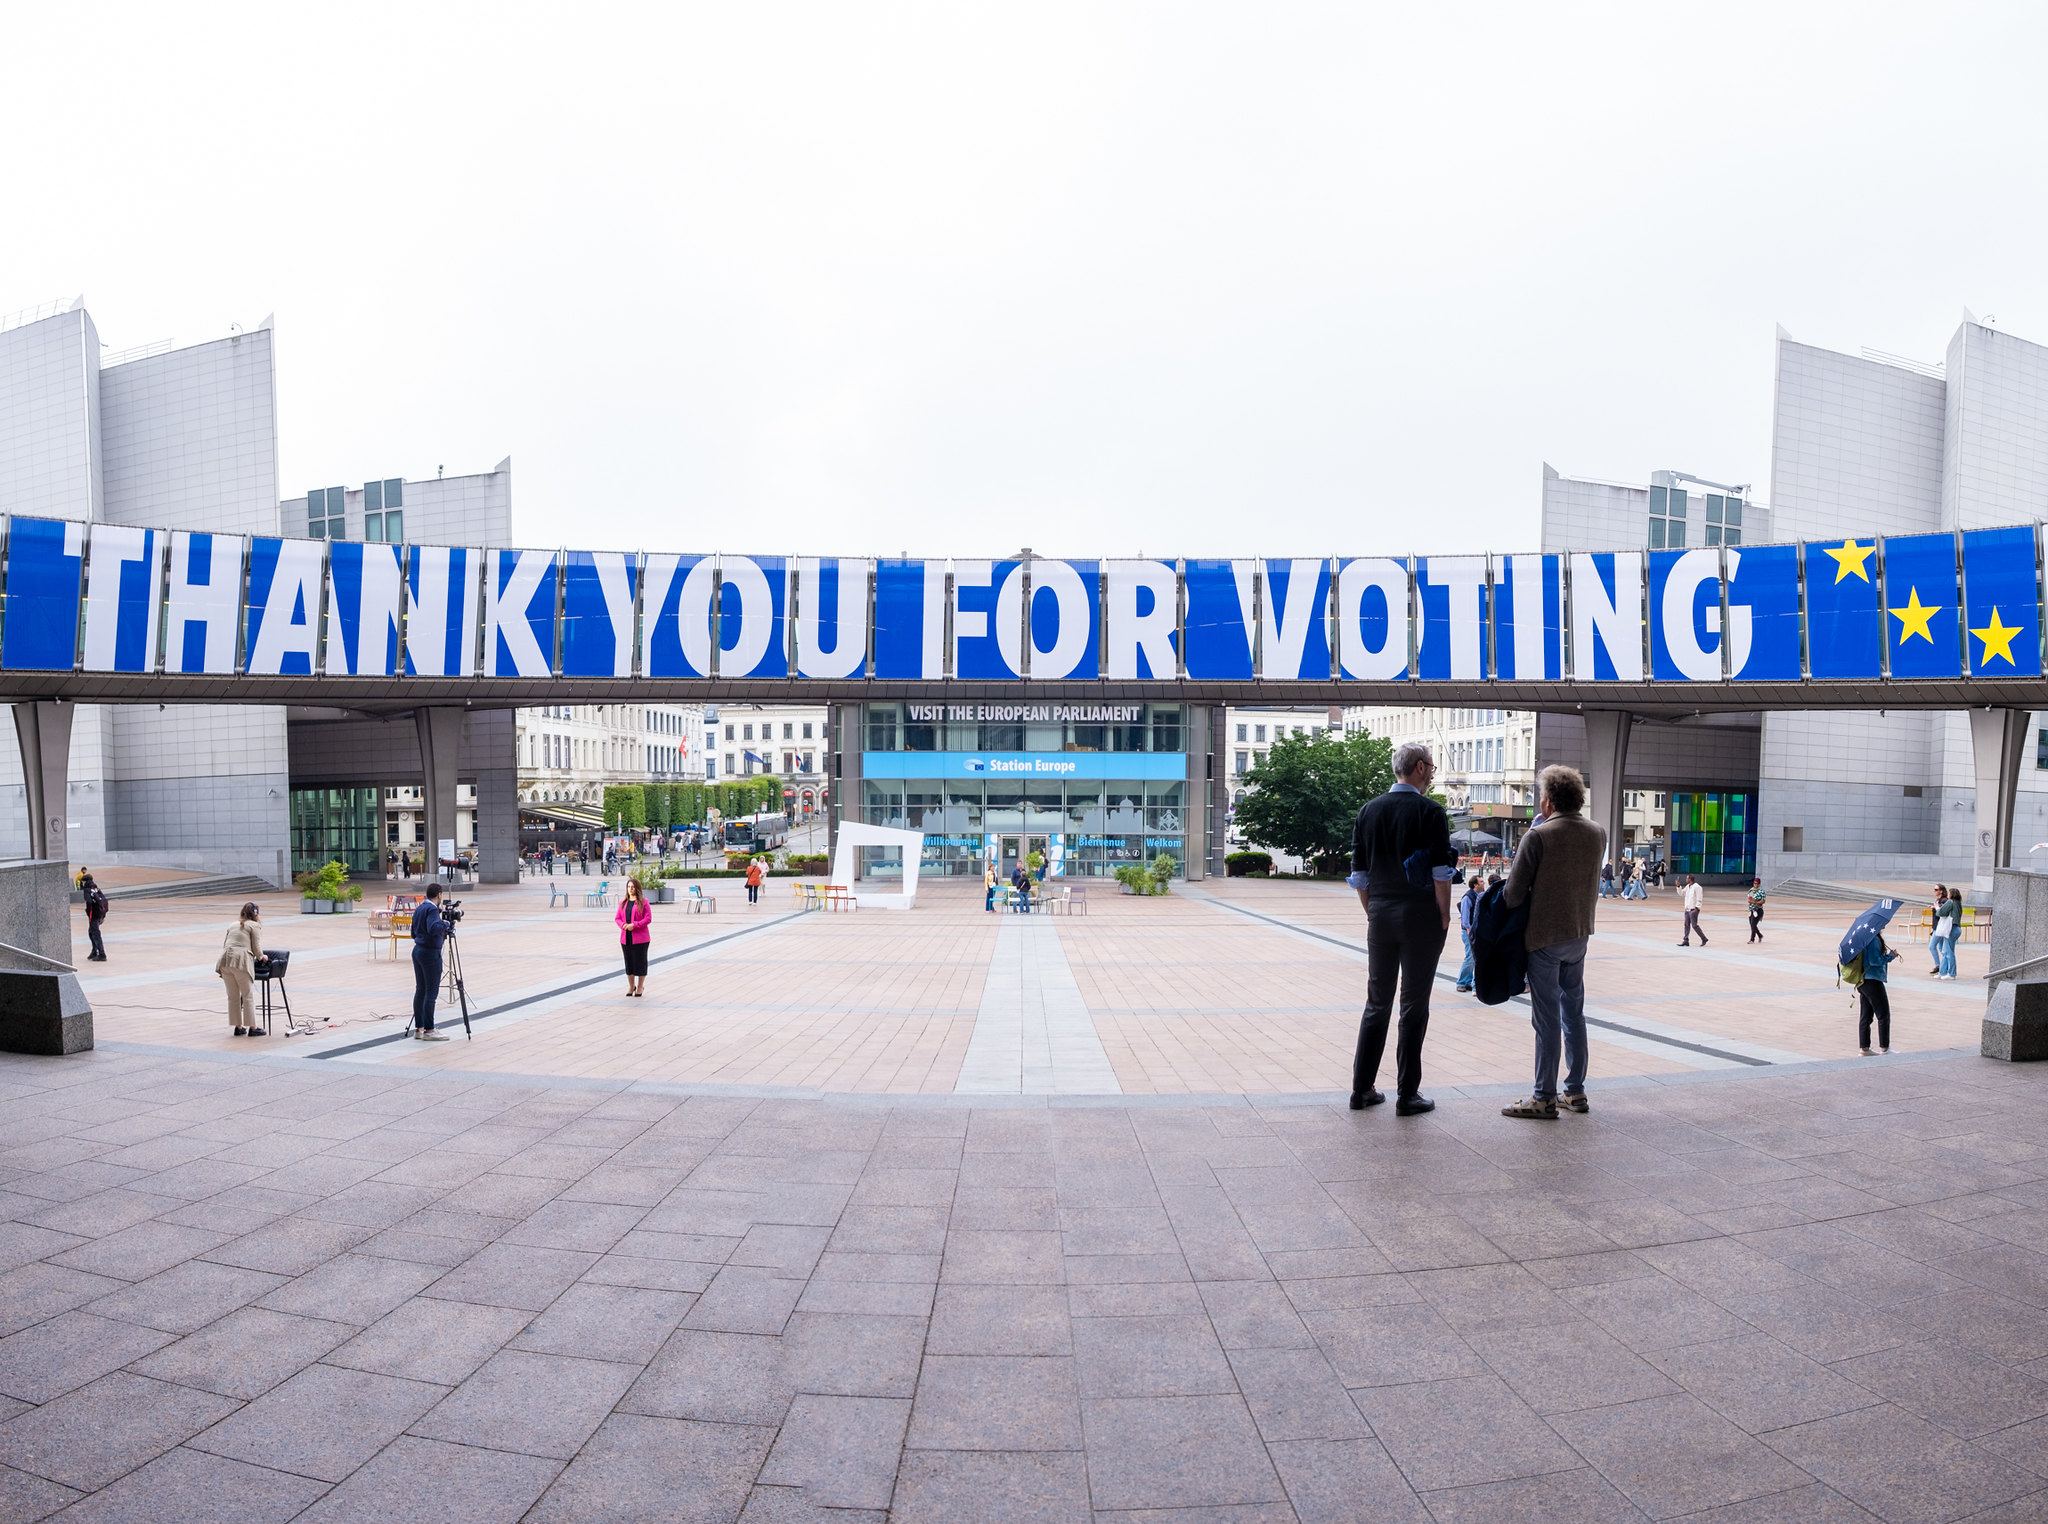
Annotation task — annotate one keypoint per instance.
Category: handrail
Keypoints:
(2013, 968)
(69, 968)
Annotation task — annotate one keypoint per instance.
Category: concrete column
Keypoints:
(44, 731)
(440, 735)
(1607, 733)
(1999, 739)
(1199, 817)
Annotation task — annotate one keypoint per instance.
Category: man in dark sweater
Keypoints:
(1557, 871)
(1401, 861)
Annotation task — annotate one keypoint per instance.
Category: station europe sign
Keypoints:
(116, 598)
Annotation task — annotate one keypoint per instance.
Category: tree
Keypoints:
(624, 805)
(1303, 798)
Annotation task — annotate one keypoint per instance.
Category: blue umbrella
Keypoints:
(1863, 931)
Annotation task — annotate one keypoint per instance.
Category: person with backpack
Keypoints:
(1466, 907)
(1401, 861)
(634, 917)
(1558, 874)
(95, 913)
(1873, 998)
(1756, 909)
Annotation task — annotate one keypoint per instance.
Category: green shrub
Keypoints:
(328, 883)
(1248, 864)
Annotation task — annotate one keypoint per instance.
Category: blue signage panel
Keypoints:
(362, 608)
(910, 619)
(1685, 615)
(442, 599)
(675, 622)
(1065, 624)
(1452, 591)
(832, 617)
(283, 638)
(598, 589)
(988, 620)
(1528, 619)
(45, 562)
(122, 598)
(1920, 604)
(1763, 613)
(1143, 598)
(1294, 615)
(998, 765)
(1222, 619)
(1844, 621)
(203, 603)
(2002, 602)
(1372, 619)
(519, 613)
(1607, 616)
(753, 629)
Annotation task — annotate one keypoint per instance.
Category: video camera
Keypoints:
(451, 910)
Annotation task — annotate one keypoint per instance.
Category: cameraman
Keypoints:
(430, 929)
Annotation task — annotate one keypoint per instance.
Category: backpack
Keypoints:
(96, 903)
(1850, 973)
(1500, 961)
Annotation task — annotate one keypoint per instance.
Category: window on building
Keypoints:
(1244, 757)
(728, 736)
(788, 732)
(1241, 733)
(1724, 520)
(807, 730)
(1261, 733)
(327, 513)
(749, 733)
(1667, 518)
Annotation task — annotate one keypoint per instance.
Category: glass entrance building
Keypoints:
(1090, 786)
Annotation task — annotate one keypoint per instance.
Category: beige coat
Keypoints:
(240, 949)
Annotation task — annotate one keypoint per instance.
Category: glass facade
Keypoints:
(338, 822)
(1712, 833)
(1020, 779)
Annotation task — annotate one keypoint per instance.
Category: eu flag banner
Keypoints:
(1222, 620)
(1685, 615)
(988, 620)
(123, 594)
(1763, 613)
(1452, 592)
(2002, 602)
(598, 588)
(910, 620)
(675, 619)
(1528, 619)
(753, 625)
(45, 560)
(1920, 606)
(1844, 623)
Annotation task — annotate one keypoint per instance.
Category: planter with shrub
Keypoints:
(1248, 864)
(1147, 879)
(326, 890)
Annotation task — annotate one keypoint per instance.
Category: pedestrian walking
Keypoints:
(754, 877)
(1556, 874)
(1873, 998)
(1638, 880)
(1934, 931)
(430, 930)
(1695, 898)
(95, 913)
(988, 880)
(1948, 927)
(1467, 905)
(634, 916)
(1756, 910)
(1606, 879)
(236, 965)
(1401, 860)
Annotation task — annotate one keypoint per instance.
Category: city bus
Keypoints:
(757, 833)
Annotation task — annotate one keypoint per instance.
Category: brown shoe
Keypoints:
(1569, 1102)
(1535, 1107)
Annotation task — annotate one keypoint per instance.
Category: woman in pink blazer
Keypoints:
(634, 917)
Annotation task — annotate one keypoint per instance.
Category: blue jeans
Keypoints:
(1465, 968)
(1557, 1000)
(1945, 956)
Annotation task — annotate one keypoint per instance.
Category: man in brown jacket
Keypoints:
(1557, 871)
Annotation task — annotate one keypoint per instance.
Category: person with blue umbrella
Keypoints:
(1865, 939)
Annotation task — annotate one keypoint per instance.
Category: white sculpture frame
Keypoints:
(852, 835)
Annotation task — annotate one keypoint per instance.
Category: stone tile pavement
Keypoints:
(240, 1286)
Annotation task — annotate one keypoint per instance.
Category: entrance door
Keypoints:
(1013, 847)
(1043, 847)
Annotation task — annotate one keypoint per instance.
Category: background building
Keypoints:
(786, 740)
(1485, 758)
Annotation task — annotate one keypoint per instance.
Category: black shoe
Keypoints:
(1360, 1099)
(1413, 1105)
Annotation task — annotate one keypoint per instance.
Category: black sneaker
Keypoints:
(1360, 1099)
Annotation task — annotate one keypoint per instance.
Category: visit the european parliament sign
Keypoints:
(116, 599)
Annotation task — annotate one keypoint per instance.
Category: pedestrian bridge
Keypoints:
(120, 614)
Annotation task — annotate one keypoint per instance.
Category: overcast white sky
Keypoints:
(1178, 278)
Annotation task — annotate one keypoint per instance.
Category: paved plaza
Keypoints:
(946, 1216)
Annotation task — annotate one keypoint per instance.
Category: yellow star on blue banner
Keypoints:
(1997, 638)
(1914, 616)
(1850, 558)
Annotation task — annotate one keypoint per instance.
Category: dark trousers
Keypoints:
(426, 985)
(1404, 937)
(92, 929)
(1875, 1001)
(1755, 918)
(1692, 924)
(753, 894)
